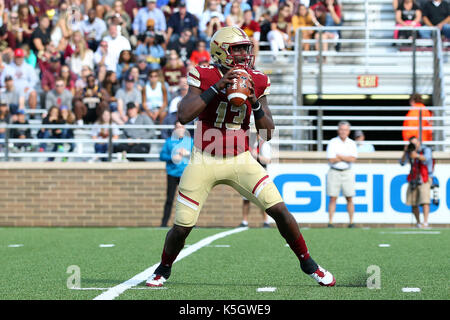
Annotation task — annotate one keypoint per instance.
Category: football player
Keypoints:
(221, 152)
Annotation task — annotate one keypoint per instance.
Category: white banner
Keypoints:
(380, 193)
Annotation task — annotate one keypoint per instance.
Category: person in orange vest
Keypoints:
(417, 106)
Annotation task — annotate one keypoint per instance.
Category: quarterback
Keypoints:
(221, 151)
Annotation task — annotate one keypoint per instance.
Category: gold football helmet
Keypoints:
(221, 43)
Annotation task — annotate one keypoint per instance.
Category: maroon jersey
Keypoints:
(222, 128)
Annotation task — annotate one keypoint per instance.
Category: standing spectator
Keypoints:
(200, 54)
(93, 29)
(124, 96)
(176, 153)
(408, 14)
(126, 60)
(41, 36)
(436, 13)
(341, 153)
(303, 18)
(252, 29)
(417, 107)
(171, 117)
(261, 151)
(127, 133)
(22, 133)
(149, 12)
(13, 97)
(179, 21)
(361, 143)
(213, 10)
(24, 76)
(419, 178)
(59, 96)
(150, 50)
(103, 133)
(183, 45)
(281, 28)
(154, 97)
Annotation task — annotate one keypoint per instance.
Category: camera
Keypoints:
(411, 147)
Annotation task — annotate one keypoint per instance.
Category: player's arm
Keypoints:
(195, 101)
(261, 112)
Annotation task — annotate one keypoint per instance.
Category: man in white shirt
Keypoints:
(341, 153)
(116, 43)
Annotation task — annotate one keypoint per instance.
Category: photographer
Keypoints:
(419, 178)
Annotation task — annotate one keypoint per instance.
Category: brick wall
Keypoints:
(112, 194)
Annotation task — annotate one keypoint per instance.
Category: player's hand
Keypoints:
(252, 97)
(226, 79)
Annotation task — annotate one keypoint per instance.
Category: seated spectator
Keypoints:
(127, 133)
(103, 6)
(110, 85)
(172, 117)
(144, 68)
(184, 45)
(93, 29)
(12, 97)
(159, 36)
(41, 36)
(15, 31)
(124, 96)
(123, 19)
(4, 118)
(150, 50)
(115, 44)
(126, 60)
(61, 32)
(181, 20)
(361, 144)
(50, 72)
(82, 81)
(243, 5)
(80, 54)
(69, 78)
(91, 97)
(417, 107)
(59, 96)
(213, 25)
(154, 97)
(173, 71)
(101, 55)
(281, 29)
(200, 54)
(67, 117)
(407, 14)
(21, 133)
(326, 14)
(150, 11)
(302, 18)
(103, 133)
(24, 76)
(436, 13)
(236, 15)
(212, 11)
(27, 21)
(265, 22)
(252, 29)
(30, 57)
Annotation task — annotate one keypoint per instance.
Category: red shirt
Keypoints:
(222, 127)
(197, 56)
(251, 28)
(173, 75)
(337, 8)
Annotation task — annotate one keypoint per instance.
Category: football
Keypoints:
(238, 92)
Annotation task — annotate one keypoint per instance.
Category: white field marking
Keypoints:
(411, 232)
(411, 289)
(286, 245)
(114, 292)
(266, 289)
(106, 245)
(365, 228)
(121, 228)
(220, 246)
(384, 245)
(15, 245)
(103, 289)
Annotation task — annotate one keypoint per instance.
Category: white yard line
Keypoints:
(410, 232)
(114, 292)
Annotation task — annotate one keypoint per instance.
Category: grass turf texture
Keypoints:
(256, 258)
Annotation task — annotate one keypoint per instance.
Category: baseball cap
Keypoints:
(18, 53)
(20, 111)
(131, 105)
(182, 4)
(150, 22)
(7, 78)
(359, 133)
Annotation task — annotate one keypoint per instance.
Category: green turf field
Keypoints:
(233, 267)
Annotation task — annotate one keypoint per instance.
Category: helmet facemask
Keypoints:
(245, 60)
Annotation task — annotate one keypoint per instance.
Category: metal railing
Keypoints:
(316, 121)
